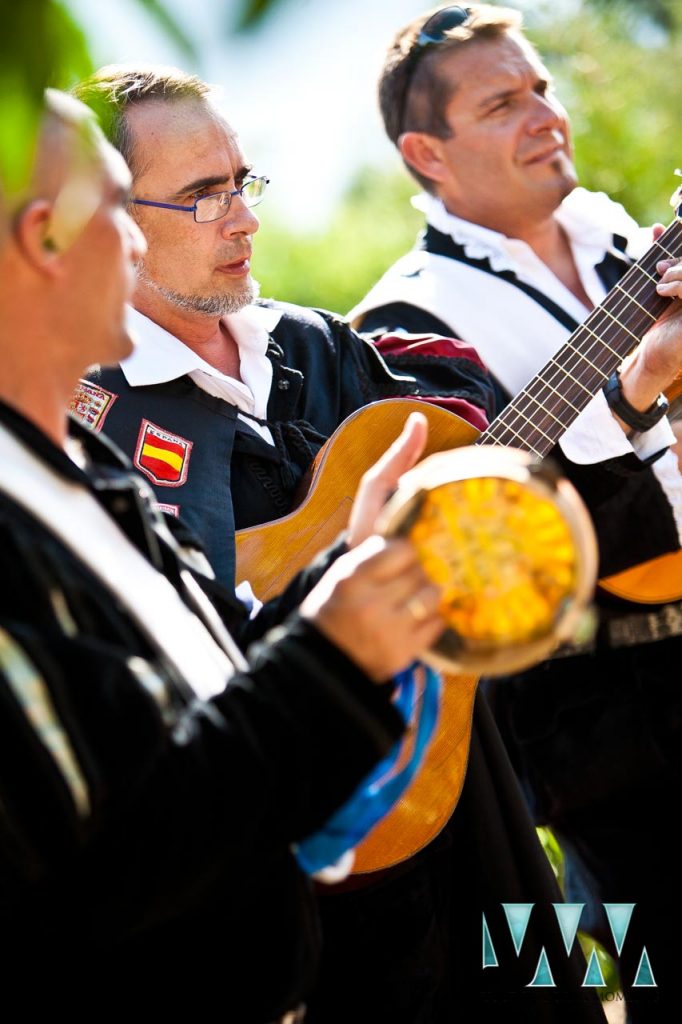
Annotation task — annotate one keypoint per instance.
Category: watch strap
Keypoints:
(636, 420)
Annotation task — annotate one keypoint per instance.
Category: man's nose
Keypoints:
(547, 113)
(240, 219)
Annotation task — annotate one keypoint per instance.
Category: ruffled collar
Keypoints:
(589, 219)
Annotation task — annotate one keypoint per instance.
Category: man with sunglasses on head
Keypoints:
(226, 400)
(513, 258)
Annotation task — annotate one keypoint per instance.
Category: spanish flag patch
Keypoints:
(163, 457)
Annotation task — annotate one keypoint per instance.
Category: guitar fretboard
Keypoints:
(538, 416)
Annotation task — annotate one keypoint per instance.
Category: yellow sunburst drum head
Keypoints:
(511, 546)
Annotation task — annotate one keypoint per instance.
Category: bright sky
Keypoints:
(300, 91)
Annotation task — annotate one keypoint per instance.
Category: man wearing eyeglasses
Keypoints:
(225, 401)
(151, 782)
(512, 259)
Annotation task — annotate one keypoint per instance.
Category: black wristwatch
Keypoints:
(636, 420)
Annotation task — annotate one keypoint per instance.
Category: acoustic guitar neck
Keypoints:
(538, 415)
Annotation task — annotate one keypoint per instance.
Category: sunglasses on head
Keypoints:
(433, 32)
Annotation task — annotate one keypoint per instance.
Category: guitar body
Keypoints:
(427, 804)
(654, 582)
(271, 555)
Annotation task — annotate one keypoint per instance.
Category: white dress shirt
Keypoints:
(159, 357)
(491, 314)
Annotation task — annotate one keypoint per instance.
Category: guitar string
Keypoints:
(623, 300)
(541, 380)
(601, 340)
(651, 277)
(581, 387)
(633, 299)
(566, 351)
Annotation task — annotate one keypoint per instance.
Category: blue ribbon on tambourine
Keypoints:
(383, 787)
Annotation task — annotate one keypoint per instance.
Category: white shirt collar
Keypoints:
(159, 356)
(588, 218)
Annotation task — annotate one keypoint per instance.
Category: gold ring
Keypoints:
(417, 609)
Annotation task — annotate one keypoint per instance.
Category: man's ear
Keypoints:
(424, 153)
(32, 234)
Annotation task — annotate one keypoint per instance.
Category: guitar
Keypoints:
(270, 555)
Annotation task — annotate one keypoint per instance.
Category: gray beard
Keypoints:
(208, 305)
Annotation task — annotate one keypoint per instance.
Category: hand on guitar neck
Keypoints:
(654, 364)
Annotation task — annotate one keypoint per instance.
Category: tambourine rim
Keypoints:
(482, 461)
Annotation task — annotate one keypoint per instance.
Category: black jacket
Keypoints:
(230, 477)
(184, 858)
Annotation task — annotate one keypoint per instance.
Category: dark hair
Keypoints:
(116, 87)
(428, 94)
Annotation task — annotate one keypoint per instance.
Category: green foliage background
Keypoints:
(615, 64)
(333, 266)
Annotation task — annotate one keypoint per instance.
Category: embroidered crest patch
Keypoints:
(91, 404)
(163, 457)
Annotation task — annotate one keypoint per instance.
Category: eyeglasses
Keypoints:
(432, 33)
(217, 204)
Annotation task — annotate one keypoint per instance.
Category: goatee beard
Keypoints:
(208, 305)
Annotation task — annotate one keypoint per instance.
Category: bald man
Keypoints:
(151, 782)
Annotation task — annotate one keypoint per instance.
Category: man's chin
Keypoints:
(217, 304)
(561, 183)
(568, 185)
(566, 174)
(238, 298)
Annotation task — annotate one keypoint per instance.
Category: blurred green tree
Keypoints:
(332, 267)
(42, 44)
(615, 75)
(614, 63)
(662, 12)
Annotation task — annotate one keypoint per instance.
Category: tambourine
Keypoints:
(512, 548)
